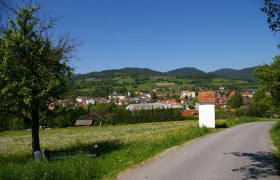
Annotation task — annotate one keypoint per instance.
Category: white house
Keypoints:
(85, 100)
(206, 100)
(187, 94)
(116, 96)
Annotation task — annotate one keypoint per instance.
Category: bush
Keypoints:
(224, 114)
(123, 116)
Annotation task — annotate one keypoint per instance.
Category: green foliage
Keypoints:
(123, 116)
(240, 120)
(269, 76)
(223, 114)
(62, 116)
(275, 132)
(107, 114)
(34, 69)
(193, 103)
(275, 136)
(236, 101)
(262, 104)
(272, 9)
(247, 111)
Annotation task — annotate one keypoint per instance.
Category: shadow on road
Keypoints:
(262, 165)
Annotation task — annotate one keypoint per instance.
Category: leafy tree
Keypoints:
(193, 103)
(269, 77)
(33, 67)
(262, 104)
(154, 96)
(272, 9)
(236, 101)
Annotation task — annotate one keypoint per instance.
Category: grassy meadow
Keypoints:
(118, 148)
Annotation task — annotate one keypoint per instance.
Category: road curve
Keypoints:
(241, 152)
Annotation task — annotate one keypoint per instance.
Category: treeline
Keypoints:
(57, 118)
(111, 115)
(105, 114)
(123, 116)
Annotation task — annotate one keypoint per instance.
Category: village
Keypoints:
(186, 101)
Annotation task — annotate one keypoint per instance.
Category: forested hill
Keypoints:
(185, 72)
(244, 74)
(117, 72)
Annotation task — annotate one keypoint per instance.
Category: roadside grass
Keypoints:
(119, 148)
(275, 136)
(227, 123)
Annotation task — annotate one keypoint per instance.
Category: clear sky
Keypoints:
(166, 34)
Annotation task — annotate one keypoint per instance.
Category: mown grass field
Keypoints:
(119, 148)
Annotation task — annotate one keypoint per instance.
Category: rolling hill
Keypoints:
(185, 72)
(243, 74)
(117, 72)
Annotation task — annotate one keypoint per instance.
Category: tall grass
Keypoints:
(236, 121)
(275, 136)
(121, 147)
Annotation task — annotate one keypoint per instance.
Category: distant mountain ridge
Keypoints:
(242, 74)
(116, 72)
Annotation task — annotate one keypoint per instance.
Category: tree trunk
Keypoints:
(35, 130)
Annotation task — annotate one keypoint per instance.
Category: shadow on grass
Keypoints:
(107, 147)
(262, 165)
(224, 125)
(97, 148)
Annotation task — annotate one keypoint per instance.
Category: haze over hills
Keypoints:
(243, 74)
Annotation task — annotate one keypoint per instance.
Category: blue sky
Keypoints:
(166, 34)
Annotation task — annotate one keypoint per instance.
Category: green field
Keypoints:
(148, 83)
(119, 148)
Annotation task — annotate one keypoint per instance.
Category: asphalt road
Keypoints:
(241, 152)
